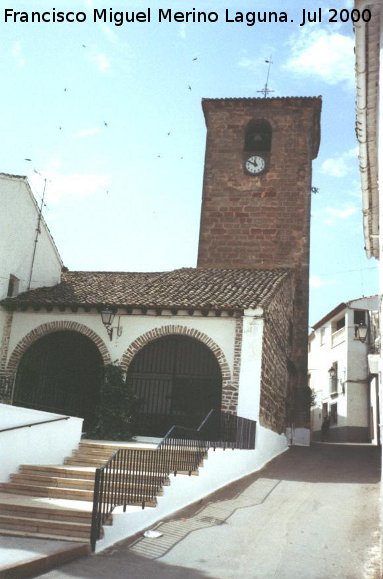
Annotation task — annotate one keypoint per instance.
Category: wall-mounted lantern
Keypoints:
(332, 372)
(107, 317)
(361, 331)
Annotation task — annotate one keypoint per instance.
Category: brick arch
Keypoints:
(160, 332)
(49, 328)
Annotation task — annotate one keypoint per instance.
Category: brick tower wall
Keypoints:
(262, 221)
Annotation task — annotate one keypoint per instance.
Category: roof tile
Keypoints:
(181, 288)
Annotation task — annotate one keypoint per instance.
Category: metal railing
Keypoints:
(136, 476)
(6, 387)
(224, 430)
(29, 425)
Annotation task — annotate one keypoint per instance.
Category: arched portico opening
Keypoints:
(60, 372)
(177, 380)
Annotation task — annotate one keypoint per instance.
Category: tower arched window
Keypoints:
(258, 137)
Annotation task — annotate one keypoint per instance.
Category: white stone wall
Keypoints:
(251, 365)
(220, 330)
(219, 469)
(18, 223)
(380, 171)
(39, 444)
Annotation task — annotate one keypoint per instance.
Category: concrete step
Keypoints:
(59, 471)
(34, 556)
(115, 445)
(80, 473)
(73, 531)
(52, 481)
(68, 493)
(46, 491)
(16, 533)
(21, 508)
(85, 461)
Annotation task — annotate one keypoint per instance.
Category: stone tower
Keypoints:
(256, 193)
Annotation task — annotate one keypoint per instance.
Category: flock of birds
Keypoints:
(105, 124)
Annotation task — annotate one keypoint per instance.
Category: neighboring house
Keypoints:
(346, 392)
(29, 256)
(369, 130)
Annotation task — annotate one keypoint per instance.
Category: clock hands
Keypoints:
(255, 164)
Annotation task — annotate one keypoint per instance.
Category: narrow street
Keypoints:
(312, 513)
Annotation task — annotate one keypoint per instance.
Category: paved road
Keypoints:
(310, 514)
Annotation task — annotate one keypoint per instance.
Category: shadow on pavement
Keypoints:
(117, 562)
(320, 463)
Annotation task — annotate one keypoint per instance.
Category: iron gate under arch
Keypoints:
(177, 380)
(60, 372)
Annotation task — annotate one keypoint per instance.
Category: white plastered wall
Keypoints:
(46, 443)
(220, 330)
(18, 224)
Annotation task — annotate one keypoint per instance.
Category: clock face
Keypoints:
(255, 165)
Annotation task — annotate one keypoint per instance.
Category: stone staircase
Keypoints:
(55, 501)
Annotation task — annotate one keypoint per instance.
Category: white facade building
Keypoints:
(369, 127)
(345, 389)
(29, 257)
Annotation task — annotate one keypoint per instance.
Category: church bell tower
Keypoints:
(256, 193)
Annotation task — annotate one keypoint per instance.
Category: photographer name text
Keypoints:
(168, 15)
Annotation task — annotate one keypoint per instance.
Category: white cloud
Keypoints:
(317, 282)
(324, 54)
(252, 64)
(89, 132)
(336, 214)
(182, 30)
(101, 61)
(18, 54)
(340, 165)
(76, 185)
(110, 34)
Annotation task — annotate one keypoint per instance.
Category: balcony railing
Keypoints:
(338, 337)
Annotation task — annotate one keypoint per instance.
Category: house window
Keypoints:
(13, 286)
(258, 137)
(359, 317)
(333, 374)
(334, 414)
(322, 336)
(325, 410)
(339, 324)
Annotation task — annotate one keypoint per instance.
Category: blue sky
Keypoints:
(106, 115)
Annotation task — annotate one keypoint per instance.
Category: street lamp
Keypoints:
(332, 372)
(107, 317)
(361, 332)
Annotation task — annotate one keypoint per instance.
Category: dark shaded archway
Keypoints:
(60, 372)
(177, 380)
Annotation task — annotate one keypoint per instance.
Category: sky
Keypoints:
(107, 119)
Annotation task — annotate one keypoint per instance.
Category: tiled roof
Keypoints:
(263, 99)
(181, 288)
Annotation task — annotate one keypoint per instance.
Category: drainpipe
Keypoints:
(370, 216)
